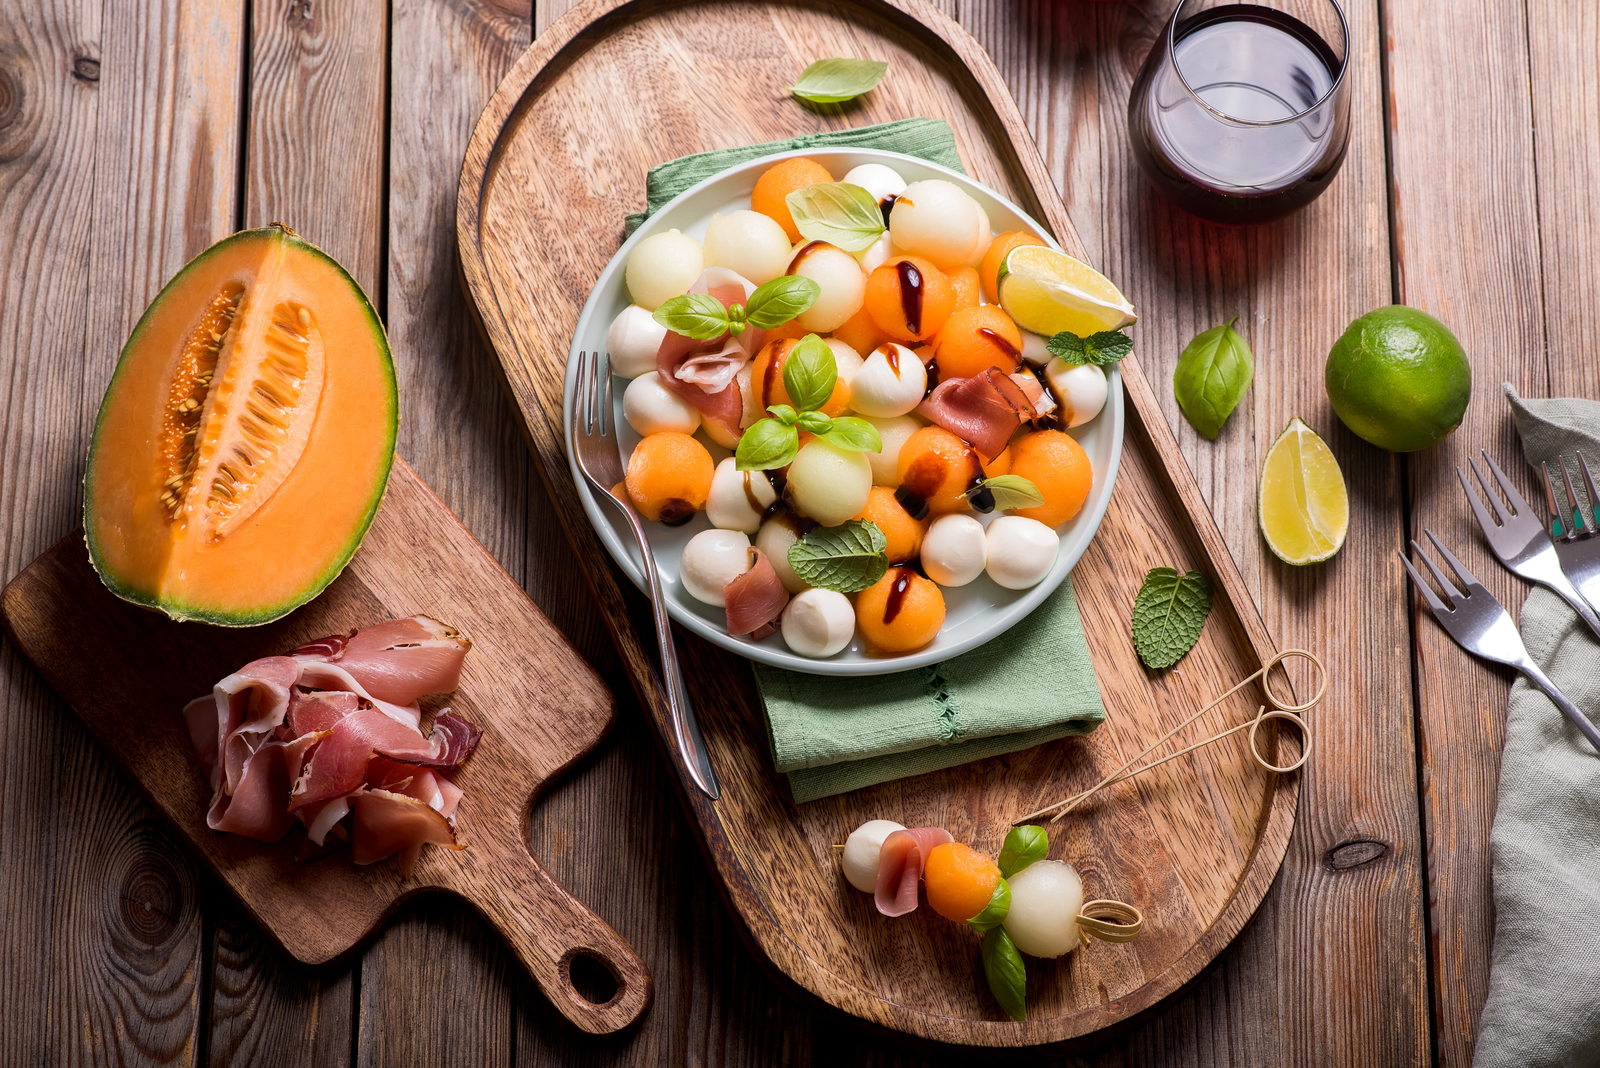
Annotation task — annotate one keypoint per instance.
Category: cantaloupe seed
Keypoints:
(190, 386)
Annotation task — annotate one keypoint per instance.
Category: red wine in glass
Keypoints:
(1241, 113)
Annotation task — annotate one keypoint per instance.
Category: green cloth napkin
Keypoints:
(1033, 685)
(1543, 1007)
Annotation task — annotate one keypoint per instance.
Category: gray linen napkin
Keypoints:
(1544, 979)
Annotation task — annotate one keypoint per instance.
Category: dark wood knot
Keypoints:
(151, 892)
(10, 99)
(1355, 853)
(86, 69)
(302, 11)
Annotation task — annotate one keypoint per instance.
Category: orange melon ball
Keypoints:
(669, 477)
(766, 379)
(936, 467)
(999, 249)
(900, 612)
(960, 880)
(904, 533)
(791, 329)
(770, 196)
(1057, 464)
(909, 298)
(964, 281)
(976, 339)
(1000, 465)
(860, 332)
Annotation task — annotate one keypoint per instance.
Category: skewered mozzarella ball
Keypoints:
(748, 242)
(1021, 551)
(738, 498)
(892, 381)
(650, 407)
(861, 850)
(663, 266)
(829, 484)
(1080, 388)
(632, 341)
(819, 623)
(955, 550)
(938, 221)
(882, 182)
(893, 430)
(776, 537)
(1045, 899)
(842, 282)
(711, 560)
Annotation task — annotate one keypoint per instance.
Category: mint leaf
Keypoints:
(1008, 491)
(846, 558)
(1100, 349)
(1002, 966)
(831, 81)
(1066, 345)
(841, 214)
(1168, 615)
(852, 434)
(768, 443)
(697, 315)
(1212, 375)
(809, 373)
(1022, 847)
(776, 302)
(995, 911)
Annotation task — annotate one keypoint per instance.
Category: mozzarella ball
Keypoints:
(747, 242)
(738, 498)
(861, 849)
(650, 407)
(937, 221)
(846, 360)
(892, 381)
(876, 254)
(1035, 350)
(711, 560)
(1045, 899)
(663, 266)
(632, 342)
(894, 431)
(1021, 551)
(882, 182)
(829, 484)
(775, 539)
(838, 275)
(819, 623)
(1080, 389)
(954, 550)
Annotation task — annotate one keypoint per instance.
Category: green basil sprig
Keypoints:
(995, 911)
(1101, 349)
(1002, 966)
(809, 374)
(837, 212)
(1022, 847)
(703, 317)
(1212, 375)
(832, 81)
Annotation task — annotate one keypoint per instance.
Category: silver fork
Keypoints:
(1519, 539)
(1576, 539)
(594, 443)
(1481, 626)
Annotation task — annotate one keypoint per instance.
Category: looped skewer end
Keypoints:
(1110, 921)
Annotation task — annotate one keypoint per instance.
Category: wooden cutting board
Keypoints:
(558, 159)
(128, 673)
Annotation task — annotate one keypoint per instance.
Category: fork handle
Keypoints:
(1562, 586)
(1568, 709)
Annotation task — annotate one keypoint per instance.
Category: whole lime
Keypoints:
(1399, 379)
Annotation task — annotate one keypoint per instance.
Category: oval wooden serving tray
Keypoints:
(557, 160)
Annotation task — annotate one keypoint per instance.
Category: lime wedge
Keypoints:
(1304, 510)
(1047, 292)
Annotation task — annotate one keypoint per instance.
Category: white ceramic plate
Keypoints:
(975, 613)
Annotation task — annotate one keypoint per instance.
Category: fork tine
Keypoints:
(1588, 485)
(602, 369)
(1444, 583)
(1465, 576)
(1423, 588)
(1477, 505)
(580, 393)
(1550, 504)
(1578, 518)
(1519, 503)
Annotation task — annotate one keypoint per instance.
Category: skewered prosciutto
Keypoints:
(900, 862)
(332, 730)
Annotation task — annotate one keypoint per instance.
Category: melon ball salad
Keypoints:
(890, 376)
(1019, 903)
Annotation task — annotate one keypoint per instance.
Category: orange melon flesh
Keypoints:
(246, 438)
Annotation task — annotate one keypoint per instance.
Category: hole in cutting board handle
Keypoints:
(592, 978)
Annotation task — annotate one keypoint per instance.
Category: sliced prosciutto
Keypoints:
(703, 372)
(756, 598)
(900, 862)
(398, 661)
(984, 410)
(339, 765)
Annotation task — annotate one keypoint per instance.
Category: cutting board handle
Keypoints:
(549, 929)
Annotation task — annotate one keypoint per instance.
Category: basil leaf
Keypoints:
(809, 373)
(1168, 615)
(1100, 349)
(846, 558)
(784, 414)
(1022, 847)
(854, 435)
(1009, 491)
(780, 300)
(1002, 966)
(831, 81)
(838, 213)
(995, 911)
(697, 315)
(815, 422)
(768, 443)
(1212, 376)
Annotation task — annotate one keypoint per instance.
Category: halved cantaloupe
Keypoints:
(245, 441)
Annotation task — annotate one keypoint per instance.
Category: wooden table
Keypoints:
(132, 135)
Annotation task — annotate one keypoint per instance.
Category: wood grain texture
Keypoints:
(531, 270)
(1472, 259)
